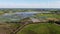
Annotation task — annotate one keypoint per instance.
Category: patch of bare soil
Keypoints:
(4, 28)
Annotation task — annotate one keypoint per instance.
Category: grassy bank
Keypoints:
(42, 28)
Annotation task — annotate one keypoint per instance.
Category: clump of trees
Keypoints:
(13, 22)
(57, 22)
(55, 11)
(52, 21)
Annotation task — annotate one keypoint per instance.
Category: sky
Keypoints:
(29, 3)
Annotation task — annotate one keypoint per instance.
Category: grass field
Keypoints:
(7, 28)
(42, 28)
(48, 15)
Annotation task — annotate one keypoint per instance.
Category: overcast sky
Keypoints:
(29, 3)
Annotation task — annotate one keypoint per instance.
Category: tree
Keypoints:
(55, 12)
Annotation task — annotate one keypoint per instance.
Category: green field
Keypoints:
(42, 28)
(48, 15)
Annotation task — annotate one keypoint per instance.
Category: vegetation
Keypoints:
(48, 15)
(11, 22)
(42, 28)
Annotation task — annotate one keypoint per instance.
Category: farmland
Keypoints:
(29, 21)
(41, 28)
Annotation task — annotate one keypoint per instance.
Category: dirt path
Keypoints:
(18, 29)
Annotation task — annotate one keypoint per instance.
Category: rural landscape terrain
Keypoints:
(29, 21)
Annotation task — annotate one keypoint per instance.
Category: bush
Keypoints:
(51, 21)
(57, 22)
